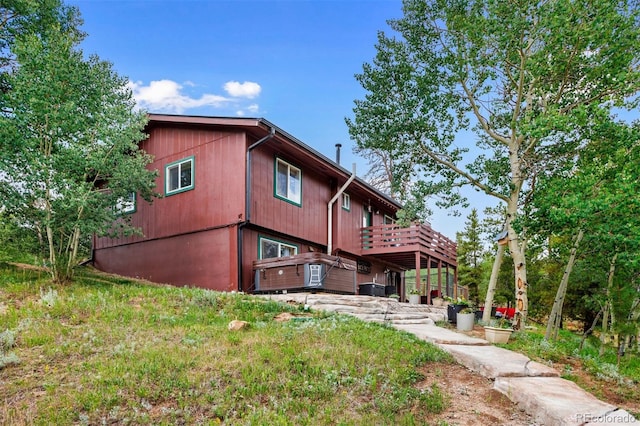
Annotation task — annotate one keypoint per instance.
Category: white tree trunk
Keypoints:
(491, 290)
(517, 251)
(608, 307)
(553, 323)
(517, 243)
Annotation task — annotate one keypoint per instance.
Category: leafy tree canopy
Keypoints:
(68, 134)
(530, 78)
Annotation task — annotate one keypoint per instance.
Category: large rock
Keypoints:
(367, 308)
(440, 335)
(492, 361)
(556, 401)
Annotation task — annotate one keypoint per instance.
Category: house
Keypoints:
(244, 203)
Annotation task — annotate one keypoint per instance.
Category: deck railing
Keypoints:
(417, 237)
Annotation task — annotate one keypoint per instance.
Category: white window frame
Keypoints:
(292, 196)
(281, 246)
(179, 165)
(346, 202)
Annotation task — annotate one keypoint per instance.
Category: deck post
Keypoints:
(429, 280)
(440, 276)
(418, 279)
(455, 278)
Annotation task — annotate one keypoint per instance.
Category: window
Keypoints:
(179, 176)
(272, 248)
(346, 202)
(288, 182)
(126, 204)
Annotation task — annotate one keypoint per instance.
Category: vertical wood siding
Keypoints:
(218, 194)
(309, 221)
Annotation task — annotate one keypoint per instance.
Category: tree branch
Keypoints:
(473, 181)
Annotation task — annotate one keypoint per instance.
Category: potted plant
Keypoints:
(437, 301)
(465, 319)
(454, 307)
(414, 296)
(498, 331)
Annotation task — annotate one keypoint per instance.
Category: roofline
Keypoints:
(265, 125)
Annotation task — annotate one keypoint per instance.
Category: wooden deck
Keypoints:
(401, 245)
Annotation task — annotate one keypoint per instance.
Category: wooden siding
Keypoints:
(218, 195)
(191, 238)
(308, 221)
(205, 259)
(347, 232)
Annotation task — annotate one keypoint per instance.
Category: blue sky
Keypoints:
(292, 62)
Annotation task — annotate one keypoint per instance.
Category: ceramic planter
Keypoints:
(464, 322)
(414, 299)
(497, 335)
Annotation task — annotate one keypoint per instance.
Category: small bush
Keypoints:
(48, 298)
(7, 342)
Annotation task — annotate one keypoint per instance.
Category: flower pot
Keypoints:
(437, 301)
(497, 335)
(414, 299)
(464, 322)
(452, 310)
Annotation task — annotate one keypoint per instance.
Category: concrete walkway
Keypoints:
(536, 388)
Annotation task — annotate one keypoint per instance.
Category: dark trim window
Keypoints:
(346, 202)
(269, 248)
(179, 176)
(288, 179)
(126, 205)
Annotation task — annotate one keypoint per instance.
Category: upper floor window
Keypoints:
(346, 202)
(288, 182)
(272, 248)
(126, 204)
(179, 176)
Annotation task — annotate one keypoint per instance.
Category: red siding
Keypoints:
(204, 259)
(190, 238)
(309, 221)
(218, 195)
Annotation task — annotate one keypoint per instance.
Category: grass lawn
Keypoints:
(110, 350)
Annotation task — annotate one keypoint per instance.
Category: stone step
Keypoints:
(556, 401)
(493, 361)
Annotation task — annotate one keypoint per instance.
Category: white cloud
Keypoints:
(253, 108)
(167, 96)
(248, 89)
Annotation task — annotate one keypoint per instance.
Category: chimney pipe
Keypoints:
(338, 146)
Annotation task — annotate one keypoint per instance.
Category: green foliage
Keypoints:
(17, 243)
(533, 91)
(113, 350)
(593, 195)
(68, 130)
(528, 82)
(470, 256)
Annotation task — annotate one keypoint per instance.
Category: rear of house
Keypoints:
(240, 193)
